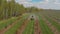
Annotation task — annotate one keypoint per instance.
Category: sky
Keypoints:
(45, 4)
(36, 1)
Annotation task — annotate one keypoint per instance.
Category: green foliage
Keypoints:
(53, 23)
(10, 9)
(14, 29)
(5, 23)
(44, 27)
(29, 28)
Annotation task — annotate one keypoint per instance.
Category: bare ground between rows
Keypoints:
(54, 30)
(23, 26)
(55, 20)
(37, 29)
(8, 27)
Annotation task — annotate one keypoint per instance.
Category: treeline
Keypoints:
(10, 9)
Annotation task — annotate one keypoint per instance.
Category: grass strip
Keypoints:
(53, 23)
(8, 22)
(44, 27)
(13, 29)
(29, 28)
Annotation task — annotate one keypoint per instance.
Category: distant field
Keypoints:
(44, 22)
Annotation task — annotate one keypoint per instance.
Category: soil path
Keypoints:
(23, 26)
(37, 29)
(54, 30)
(55, 19)
(8, 27)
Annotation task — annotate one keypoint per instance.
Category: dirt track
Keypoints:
(8, 27)
(22, 28)
(54, 30)
(37, 29)
(55, 19)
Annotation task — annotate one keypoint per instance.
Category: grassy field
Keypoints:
(15, 24)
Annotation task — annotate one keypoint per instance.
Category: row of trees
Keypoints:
(10, 9)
